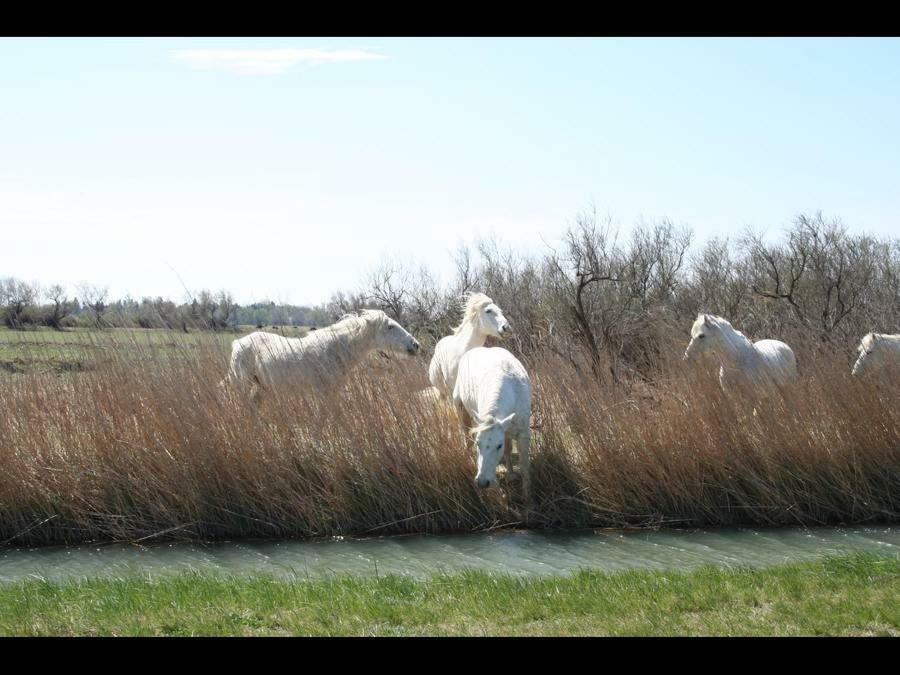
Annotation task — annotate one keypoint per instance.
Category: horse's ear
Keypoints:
(874, 337)
(504, 423)
(706, 319)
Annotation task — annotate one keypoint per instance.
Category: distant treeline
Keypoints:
(26, 305)
(593, 294)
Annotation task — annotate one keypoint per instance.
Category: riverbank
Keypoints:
(513, 552)
(840, 595)
(140, 444)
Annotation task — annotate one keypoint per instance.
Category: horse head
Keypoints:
(706, 334)
(390, 336)
(490, 436)
(484, 316)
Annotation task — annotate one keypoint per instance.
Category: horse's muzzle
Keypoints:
(414, 349)
(483, 482)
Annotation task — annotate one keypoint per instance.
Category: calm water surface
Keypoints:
(510, 552)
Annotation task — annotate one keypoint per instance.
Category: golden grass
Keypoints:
(143, 447)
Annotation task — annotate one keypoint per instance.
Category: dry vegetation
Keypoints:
(143, 447)
(139, 442)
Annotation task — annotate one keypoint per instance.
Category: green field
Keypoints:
(80, 349)
(853, 595)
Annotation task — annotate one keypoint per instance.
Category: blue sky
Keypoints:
(286, 168)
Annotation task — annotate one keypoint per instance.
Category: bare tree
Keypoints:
(213, 311)
(840, 267)
(94, 298)
(342, 302)
(823, 273)
(590, 260)
(467, 277)
(776, 271)
(717, 283)
(60, 306)
(388, 288)
(654, 261)
(226, 310)
(17, 297)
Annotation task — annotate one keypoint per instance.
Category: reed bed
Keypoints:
(144, 445)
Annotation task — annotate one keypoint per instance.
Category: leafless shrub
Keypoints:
(94, 298)
(17, 297)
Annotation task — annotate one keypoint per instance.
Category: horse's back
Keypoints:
(254, 355)
(483, 359)
(270, 346)
(492, 371)
(438, 368)
(778, 355)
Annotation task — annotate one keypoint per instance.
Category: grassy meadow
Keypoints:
(44, 350)
(852, 595)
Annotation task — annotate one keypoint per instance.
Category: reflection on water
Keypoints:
(511, 552)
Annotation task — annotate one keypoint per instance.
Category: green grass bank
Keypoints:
(851, 595)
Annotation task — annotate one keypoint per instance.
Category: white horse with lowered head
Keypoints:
(760, 362)
(481, 319)
(493, 390)
(321, 359)
(877, 352)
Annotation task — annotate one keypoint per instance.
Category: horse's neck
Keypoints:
(738, 349)
(495, 398)
(469, 337)
(350, 348)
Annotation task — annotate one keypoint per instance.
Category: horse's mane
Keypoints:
(475, 302)
(885, 339)
(722, 323)
(352, 322)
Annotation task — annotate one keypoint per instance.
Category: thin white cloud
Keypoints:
(268, 61)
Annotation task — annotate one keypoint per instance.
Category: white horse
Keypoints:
(877, 351)
(761, 362)
(481, 319)
(321, 359)
(493, 390)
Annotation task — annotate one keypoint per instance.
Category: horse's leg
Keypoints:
(507, 455)
(256, 394)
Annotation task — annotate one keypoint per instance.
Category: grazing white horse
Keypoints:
(481, 319)
(877, 351)
(493, 390)
(760, 362)
(322, 358)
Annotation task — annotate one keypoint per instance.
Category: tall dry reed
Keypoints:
(145, 446)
